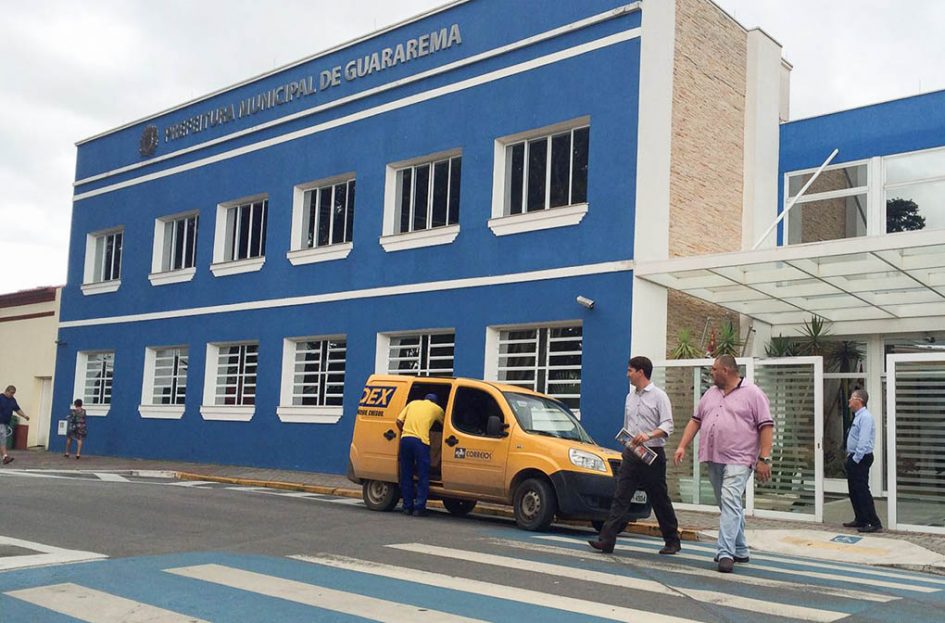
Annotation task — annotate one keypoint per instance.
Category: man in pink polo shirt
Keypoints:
(736, 436)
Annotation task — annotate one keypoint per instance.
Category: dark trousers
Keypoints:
(858, 484)
(635, 474)
(414, 458)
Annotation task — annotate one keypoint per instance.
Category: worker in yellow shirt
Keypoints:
(415, 422)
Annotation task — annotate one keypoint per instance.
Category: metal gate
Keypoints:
(793, 386)
(915, 416)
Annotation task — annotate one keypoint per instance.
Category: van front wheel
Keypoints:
(379, 495)
(535, 505)
(457, 507)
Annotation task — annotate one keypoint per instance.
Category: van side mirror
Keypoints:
(495, 427)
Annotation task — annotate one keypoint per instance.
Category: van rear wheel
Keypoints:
(534, 505)
(458, 507)
(379, 495)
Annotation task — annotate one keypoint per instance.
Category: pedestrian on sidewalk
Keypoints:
(76, 428)
(737, 433)
(860, 441)
(415, 422)
(648, 416)
(8, 406)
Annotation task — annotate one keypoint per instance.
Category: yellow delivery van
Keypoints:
(498, 443)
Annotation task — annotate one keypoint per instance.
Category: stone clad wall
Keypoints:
(706, 184)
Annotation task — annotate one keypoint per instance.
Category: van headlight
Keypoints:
(587, 460)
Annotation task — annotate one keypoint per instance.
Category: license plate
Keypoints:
(639, 497)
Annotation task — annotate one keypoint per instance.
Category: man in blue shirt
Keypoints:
(8, 406)
(859, 459)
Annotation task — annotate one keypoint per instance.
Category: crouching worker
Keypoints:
(415, 422)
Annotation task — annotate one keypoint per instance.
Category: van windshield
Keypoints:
(543, 416)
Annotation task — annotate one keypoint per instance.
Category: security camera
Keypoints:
(586, 302)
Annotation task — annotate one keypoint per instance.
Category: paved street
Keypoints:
(160, 549)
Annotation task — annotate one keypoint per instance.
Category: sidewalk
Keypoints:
(918, 551)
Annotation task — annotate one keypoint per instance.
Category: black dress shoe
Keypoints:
(602, 547)
(853, 524)
(726, 565)
(869, 528)
(408, 511)
(420, 512)
(736, 558)
(671, 548)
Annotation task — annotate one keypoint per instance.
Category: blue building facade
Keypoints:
(429, 199)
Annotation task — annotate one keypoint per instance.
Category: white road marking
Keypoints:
(94, 606)
(318, 596)
(499, 591)
(665, 564)
(48, 555)
(801, 573)
(108, 477)
(612, 579)
(189, 483)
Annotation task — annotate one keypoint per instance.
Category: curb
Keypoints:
(647, 528)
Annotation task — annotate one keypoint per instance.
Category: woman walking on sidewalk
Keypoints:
(77, 428)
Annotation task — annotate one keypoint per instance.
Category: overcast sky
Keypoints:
(71, 69)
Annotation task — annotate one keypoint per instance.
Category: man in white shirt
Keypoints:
(649, 417)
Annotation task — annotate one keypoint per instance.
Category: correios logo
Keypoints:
(463, 453)
(377, 396)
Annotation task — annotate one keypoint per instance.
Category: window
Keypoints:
(175, 249)
(546, 172)
(103, 262)
(834, 207)
(236, 375)
(428, 195)
(165, 382)
(313, 380)
(421, 202)
(472, 409)
(541, 178)
(915, 191)
(94, 372)
(421, 354)
(322, 220)
(230, 382)
(240, 243)
(543, 359)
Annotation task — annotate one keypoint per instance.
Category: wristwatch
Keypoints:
(765, 459)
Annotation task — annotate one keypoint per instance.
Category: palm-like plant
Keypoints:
(728, 341)
(815, 337)
(781, 346)
(685, 348)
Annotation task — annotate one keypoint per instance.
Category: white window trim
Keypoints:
(418, 239)
(156, 411)
(159, 277)
(327, 253)
(565, 216)
(249, 265)
(382, 354)
(88, 286)
(296, 414)
(100, 287)
(172, 276)
(81, 363)
(211, 411)
(868, 190)
(502, 224)
(490, 370)
(296, 249)
(161, 412)
(411, 240)
(221, 266)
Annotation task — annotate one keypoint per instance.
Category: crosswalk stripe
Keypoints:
(318, 596)
(668, 566)
(189, 483)
(804, 573)
(107, 477)
(612, 579)
(478, 587)
(883, 573)
(301, 494)
(94, 606)
(47, 555)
